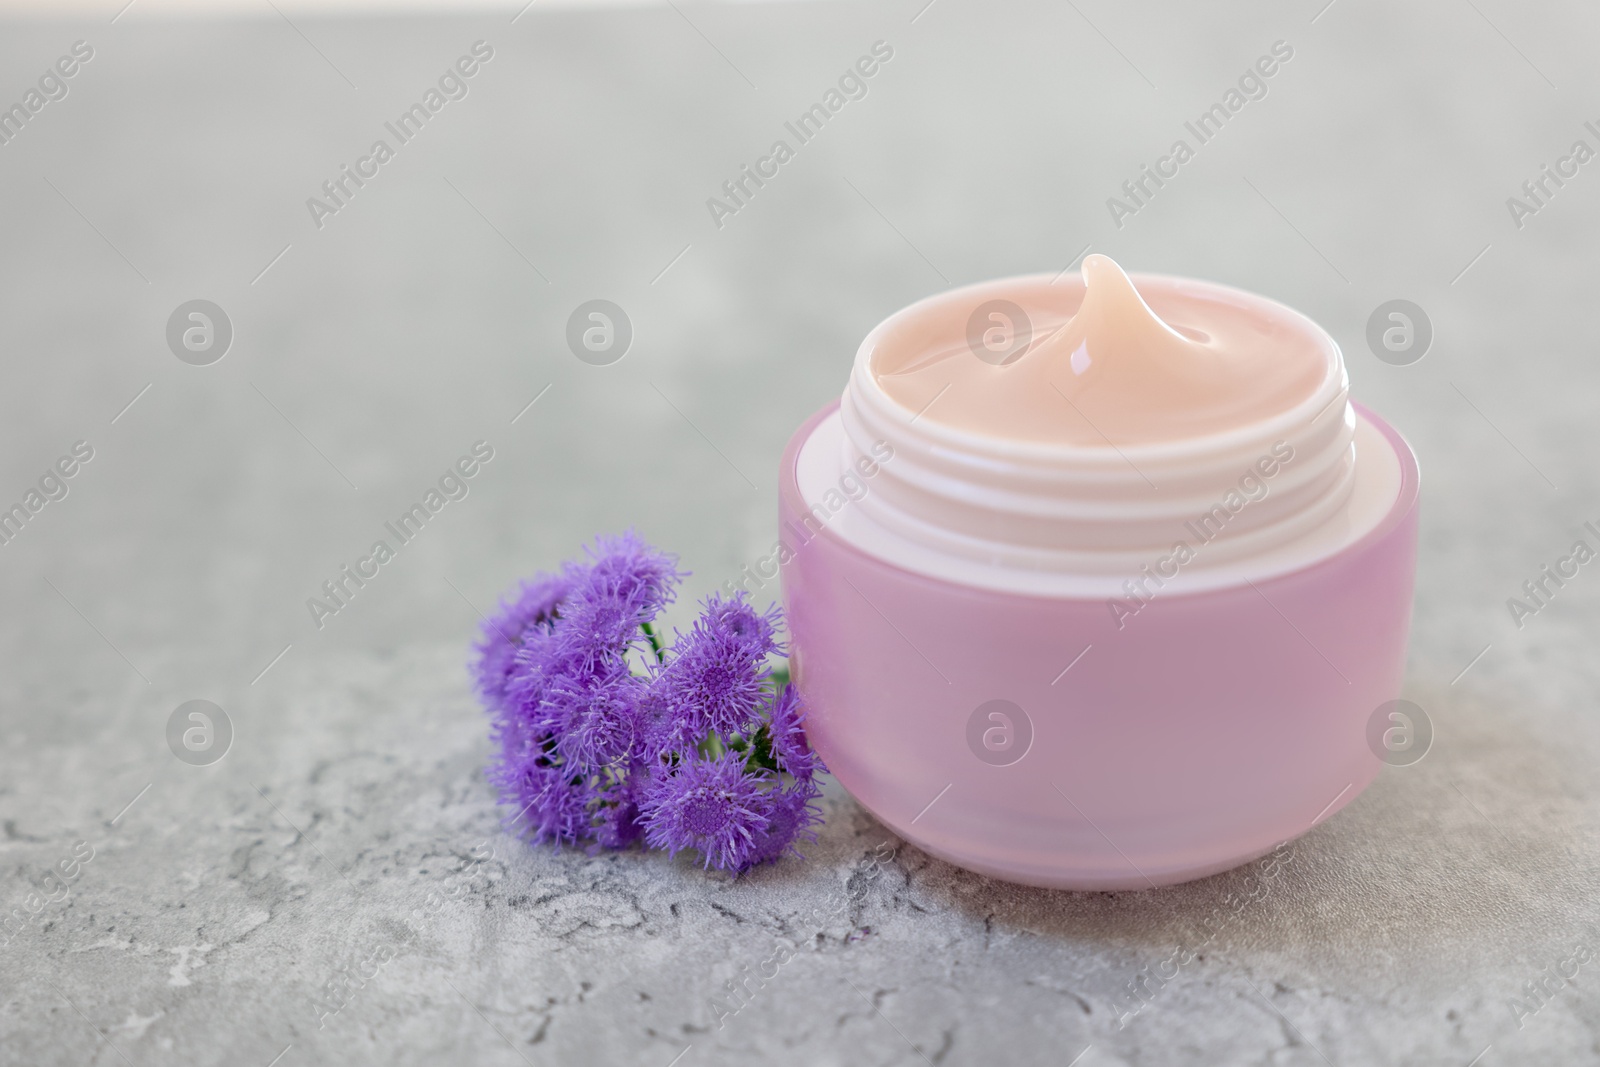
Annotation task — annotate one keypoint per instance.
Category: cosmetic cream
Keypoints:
(1118, 612)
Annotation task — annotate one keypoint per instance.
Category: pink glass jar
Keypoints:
(1032, 738)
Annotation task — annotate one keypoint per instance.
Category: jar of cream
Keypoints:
(1116, 579)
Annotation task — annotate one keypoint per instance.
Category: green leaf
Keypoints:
(760, 757)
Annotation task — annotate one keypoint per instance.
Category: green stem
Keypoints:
(655, 642)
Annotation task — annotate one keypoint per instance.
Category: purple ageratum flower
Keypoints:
(520, 722)
(735, 621)
(531, 611)
(790, 749)
(711, 805)
(550, 806)
(634, 570)
(519, 725)
(593, 717)
(791, 819)
(620, 824)
(590, 751)
(717, 675)
(624, 584)
(659, 731)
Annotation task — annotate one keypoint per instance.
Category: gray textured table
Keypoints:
(350, 821)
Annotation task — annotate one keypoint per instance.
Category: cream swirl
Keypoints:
(1112, 437)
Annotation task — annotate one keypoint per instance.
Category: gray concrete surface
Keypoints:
(350, 825)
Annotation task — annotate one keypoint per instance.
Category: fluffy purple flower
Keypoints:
(790, 749)
(790, 818)
(634, 571)
(550, 806)
(625, 584)
(592, 717)
(716, 678)
(711, 805)
(530, 613)
(735, 621)
(620, 824)
(659, 731)
(591, 751)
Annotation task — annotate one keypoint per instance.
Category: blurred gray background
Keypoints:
(350, 820)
